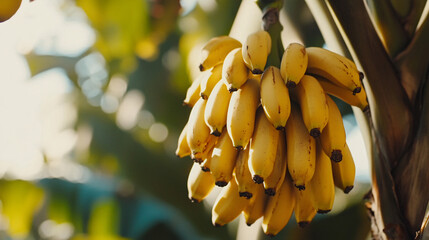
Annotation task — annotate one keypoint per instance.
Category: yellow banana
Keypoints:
(333, 137)
(273, 182)
(183, 149)
(228, 205)
(359, 99)
(344, 171)
(255, 51)
(200, 183)
(304, 208)
(294, 64)
(275, 97)
(215, 51)
(234, 71)
(279, 208)
(246, 186)
(240, 119)
(301, 150)
(256, 207)
(312, 100)
(197, 133)
(223, 160)
(333, 67)
(201, 156)
(263, 147)
(208, 83)
(217, 108)
(193, 92)
(322, 184)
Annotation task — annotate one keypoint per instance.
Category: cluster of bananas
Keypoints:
(273, 139)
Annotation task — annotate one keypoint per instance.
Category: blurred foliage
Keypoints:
(137, 187)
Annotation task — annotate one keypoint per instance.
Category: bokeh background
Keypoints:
(91, 108)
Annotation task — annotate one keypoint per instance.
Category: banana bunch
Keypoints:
(270, 136)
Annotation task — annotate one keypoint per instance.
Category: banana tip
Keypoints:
(280, 128)
(258, 179)
(300, 187)
(348, 189)
(247, 195)
(366, 109)
(361, 76)
(203, 96)
(257, 71)
(216, 133)
(201, 67)
(239, 148)
(303, 224)
(290, 84)
(221, 183)
(336, 155)
(323, 211)
(315, 132)
(270, 191)
(194, 200)
(232, 89)
(205, 169)
(357, 90)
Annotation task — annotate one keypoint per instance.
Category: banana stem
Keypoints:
(271, 24)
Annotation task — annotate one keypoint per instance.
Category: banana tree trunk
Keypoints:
(398, 122)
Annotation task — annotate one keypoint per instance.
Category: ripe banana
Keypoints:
(294, 63)
(301, 150)
(217, 108)
(208, 83)
(183, 149)
(200, 183)
(256, 207)
(344, 171)
(304, 208)
(240, 119)
(201, 156)
(279, 208)
(246, 186)
(275, 97)
(228, 205)
(223, 160)
(197, 133)
(333, 67)
(234, 70)
(215, 51)
(333, 137)
(312, 100)
(322, 184)
(273, 182)
(193, 92)
(263, 147)
(255, 51)
(359, 99)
